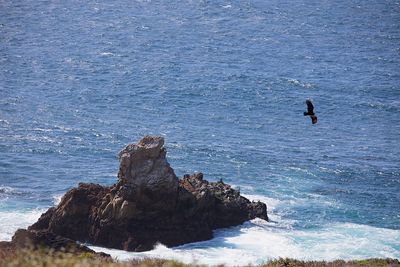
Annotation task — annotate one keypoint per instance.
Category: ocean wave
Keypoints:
(57, 199)
(10, 191)
(6, 190)
(256, 242)
(10, 221)
(6, 122)
(273, 205)
(253, 242)
(388, 105)
(300, 83)
(106, 54)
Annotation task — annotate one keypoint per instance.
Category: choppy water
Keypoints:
(225, 83)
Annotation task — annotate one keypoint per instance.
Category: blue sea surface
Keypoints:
(225, 82)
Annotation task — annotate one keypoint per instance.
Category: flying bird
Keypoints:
(310, 112)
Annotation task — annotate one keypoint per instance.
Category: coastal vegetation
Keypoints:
(44, 258)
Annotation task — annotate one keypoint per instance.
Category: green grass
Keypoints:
(45, 258)
(337, 263)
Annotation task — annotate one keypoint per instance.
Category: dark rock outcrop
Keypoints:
(38, 239)
(31, 239)
(148, 204)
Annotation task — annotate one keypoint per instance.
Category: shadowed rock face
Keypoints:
(148, 204)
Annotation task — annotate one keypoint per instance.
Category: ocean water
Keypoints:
(225, 82)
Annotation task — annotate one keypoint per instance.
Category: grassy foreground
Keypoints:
(57, 259)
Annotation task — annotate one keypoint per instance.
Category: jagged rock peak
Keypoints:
(144, 167)
(148, 146)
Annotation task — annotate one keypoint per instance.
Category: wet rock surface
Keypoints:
(147, 205)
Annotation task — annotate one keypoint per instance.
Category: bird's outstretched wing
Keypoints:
(310, 108)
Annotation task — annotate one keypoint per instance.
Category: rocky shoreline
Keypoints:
(148, 204)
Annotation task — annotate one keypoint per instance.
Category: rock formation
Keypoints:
(148, 204)
(31, 239)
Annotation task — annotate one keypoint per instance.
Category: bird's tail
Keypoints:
(314, 119)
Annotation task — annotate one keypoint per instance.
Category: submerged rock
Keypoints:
(148, 204)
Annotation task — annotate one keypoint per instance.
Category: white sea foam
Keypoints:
(254, 242)
(300, 83)
(10, 221)
(57, 199)
(272, 205)
(6, 190)
(258, 241)
(106, 54)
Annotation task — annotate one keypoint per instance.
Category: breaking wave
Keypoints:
(258, 241)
